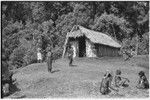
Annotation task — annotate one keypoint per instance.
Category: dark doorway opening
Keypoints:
(82, 47)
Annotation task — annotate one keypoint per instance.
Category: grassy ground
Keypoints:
(81, 80)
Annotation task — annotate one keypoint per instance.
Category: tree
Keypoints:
(37, 23)
(112, 25)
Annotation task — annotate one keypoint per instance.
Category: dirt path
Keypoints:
(81, 80)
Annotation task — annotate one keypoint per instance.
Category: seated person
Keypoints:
(119, 80)
(5, 88)
(7, 82)
(143, 82)
(106, 84)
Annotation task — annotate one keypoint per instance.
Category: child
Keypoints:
(39, 56)
(119, 80)
(106, 84)
(143, 82)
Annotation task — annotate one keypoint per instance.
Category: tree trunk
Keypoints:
(94, 9)
(114, 32)
(137, 45)
(137, 40)
(94, 6)
(65, 45)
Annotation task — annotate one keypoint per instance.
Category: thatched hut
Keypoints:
(89, 43)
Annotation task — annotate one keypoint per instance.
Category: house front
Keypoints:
(89, 43)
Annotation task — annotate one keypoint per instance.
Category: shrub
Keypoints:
(143, 47)
(30, 56)
(143, 44)
(4, 68)
(58, 53)
(16, 58)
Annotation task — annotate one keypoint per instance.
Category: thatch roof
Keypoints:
(95, 37)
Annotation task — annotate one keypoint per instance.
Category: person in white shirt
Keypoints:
(39, 56)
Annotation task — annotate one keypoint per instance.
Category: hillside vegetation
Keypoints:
(27, 26)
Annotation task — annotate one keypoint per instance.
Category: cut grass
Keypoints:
(82, 80)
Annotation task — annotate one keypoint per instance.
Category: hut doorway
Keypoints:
(82, 47)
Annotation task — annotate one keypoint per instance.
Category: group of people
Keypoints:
(50, 58)
(6, 82)
(121, 82)
(106, 83)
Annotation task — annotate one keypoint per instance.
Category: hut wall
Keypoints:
(103, 50)
(89, 49)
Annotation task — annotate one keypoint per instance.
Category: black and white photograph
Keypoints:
(74, 49)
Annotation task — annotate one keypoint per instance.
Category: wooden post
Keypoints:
(137, 45)
(64, 51)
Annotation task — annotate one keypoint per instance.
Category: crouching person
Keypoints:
(7, 83)
(5, 88)
(106, 84)
(119, 80)
(143, 82)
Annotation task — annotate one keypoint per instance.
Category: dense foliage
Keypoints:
(29, 25)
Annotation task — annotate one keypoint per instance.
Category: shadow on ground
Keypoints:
(55, 71)
(143, 65)
(73, 65)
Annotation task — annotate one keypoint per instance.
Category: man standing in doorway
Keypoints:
(70, 55)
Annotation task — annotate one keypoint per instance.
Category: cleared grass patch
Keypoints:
(83, 80)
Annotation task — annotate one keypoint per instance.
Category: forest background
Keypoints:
(29, 25)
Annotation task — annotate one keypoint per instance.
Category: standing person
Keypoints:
(39, 55)
(49, 59)
(106, 84)
(70, 55)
